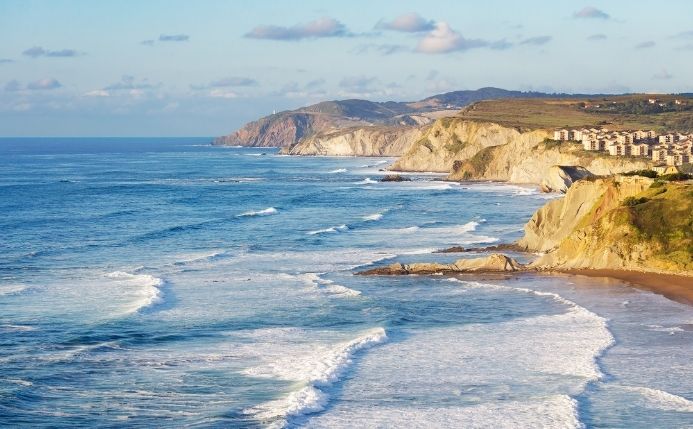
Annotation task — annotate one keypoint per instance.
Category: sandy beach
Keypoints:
(675, 287)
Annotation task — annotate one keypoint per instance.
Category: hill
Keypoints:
(289, 127)
(614, 112)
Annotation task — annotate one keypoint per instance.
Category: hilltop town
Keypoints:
(670, 149)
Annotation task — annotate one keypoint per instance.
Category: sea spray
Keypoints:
(317, 376)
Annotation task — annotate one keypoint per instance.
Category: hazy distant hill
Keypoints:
(288, 127)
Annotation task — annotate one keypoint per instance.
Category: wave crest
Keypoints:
(319, 373)
(264, 212)
(333, 229)
(147, 289)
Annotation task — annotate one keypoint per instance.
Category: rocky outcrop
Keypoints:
(560, 177)
(492, 263)
(362, 141)
(277, 130)
(530, 161)
(450, 140)
(471, 150)
(622, 223)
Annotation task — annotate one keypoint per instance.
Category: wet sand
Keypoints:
(676, 288)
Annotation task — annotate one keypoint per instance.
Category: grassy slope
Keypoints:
(666, 218)
(557, 113)
(661, 226)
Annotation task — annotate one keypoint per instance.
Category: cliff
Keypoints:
(471, 150)
(624, 223)
(450, 140)
(526, 160)
(362, 141)
(278, 130)
(289, 127)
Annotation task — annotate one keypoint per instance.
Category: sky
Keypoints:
(204, 68)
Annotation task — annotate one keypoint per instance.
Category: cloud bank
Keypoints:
(173, 38)
(39, 51)
(591, 13)
(322, 27)
(408, 23)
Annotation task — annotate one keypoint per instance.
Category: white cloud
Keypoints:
(408, 23)
(222, 93)
(444, 39)
(97, 93)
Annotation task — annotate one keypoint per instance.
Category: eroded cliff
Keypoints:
(471, 150)
(450, 140)
(362, 141)
(631, 223)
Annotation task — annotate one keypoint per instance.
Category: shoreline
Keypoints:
(671, 286)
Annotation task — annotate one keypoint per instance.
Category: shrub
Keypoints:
(677, 177)
(632, 201)
(657, 184)
(644, 173)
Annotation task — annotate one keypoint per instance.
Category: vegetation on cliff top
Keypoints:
(664, 216)
(571, 112)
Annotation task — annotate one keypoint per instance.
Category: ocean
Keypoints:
(169, 283)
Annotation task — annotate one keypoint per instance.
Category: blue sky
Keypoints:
(203, 68)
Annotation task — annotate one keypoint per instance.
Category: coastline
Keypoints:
(671, 286)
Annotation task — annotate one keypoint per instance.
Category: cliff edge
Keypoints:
(622, 223)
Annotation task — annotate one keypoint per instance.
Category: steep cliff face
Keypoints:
(276, 130)
(529, 159)
(616, 223)
(561, 177)
(450, 139)
(365, 141)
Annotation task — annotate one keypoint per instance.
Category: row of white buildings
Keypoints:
(669, 149)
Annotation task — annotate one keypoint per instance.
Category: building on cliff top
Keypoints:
(671, 148)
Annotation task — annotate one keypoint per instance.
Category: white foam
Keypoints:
(264, 212)
(366, 181)
(592, 336)
(555, 411)
(671, 330)
(328, 286)
(12, 289)
(339, 170)
(659, 399)
(330, 230)
(146, 289)
(321, 370)
(190, 258)
(407, 230)
(374, 216)
(15, 328)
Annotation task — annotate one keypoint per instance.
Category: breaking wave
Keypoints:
(342, 227)
(366, 181)
(265, 212)
(328, 286)
(322, 371)
(146, 289)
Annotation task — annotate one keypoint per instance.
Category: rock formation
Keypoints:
(560, 177)
(631, 223)
(361, 141)
(492, 263)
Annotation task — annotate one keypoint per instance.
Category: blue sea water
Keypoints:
(169, 283)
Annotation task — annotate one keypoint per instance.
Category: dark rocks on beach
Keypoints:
(493, 263)
(498, 247)
(395, 178)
